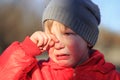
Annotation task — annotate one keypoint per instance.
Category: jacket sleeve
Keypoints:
(18, 60)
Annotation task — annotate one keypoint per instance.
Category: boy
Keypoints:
(70, 32)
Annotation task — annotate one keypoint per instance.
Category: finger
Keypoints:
(40, 41)
(54, 38)
(48, 41)
(51, 43)
(46, 38)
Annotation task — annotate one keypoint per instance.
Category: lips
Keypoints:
(62, 57)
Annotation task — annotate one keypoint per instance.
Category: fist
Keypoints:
(43, 40)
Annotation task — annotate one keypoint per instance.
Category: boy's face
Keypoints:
(71, 49)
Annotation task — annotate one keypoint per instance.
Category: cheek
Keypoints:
(73, 46)
(77, 44)
(76, 47)
(76, 51)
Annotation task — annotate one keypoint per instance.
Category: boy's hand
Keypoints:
(43, 41)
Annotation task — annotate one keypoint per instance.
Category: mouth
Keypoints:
(62, 56)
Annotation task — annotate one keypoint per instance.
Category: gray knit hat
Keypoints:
(82, 16)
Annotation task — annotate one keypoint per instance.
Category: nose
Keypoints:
(59, 45)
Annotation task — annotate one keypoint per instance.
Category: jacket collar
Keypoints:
(96, 62)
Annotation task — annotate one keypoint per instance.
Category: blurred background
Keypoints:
(20, 18)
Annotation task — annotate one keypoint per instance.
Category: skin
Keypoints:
(64, 46)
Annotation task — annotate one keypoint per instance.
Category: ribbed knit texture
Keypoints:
(82, 16)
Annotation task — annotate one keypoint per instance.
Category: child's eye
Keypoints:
(69, 33)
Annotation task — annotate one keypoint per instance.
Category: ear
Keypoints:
(90, 46)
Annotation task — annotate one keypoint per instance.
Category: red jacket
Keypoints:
(18, 63)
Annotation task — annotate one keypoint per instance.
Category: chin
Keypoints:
(65, 65)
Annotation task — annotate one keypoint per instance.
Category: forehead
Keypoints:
(55, 25)
(58, 25)
(50, 24)
(61, 26)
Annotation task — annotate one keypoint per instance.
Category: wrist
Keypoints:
(30, 47)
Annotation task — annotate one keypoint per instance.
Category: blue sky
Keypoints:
(110, 14)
